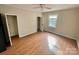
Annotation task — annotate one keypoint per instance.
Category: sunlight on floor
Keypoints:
(52, 43)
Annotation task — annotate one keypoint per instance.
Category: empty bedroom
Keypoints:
(39, 29)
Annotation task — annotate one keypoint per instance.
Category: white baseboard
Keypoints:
(62, 35)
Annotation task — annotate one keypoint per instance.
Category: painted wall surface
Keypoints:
(67, 22)
(27, 20)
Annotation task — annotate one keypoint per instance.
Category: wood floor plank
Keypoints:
(42, 43)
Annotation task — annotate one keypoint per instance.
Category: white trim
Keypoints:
(8, 30)
(77, 42)
(61, 34)
(10, 14)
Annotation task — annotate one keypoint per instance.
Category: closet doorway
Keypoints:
(12, 25)
(38, 24)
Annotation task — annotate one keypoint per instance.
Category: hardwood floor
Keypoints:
(42, 43)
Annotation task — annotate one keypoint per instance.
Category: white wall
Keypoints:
(27, 21)
(67, 22)
(12, 23)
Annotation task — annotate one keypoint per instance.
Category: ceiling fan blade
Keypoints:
(48, 8)
(43, 6)
(36, 7)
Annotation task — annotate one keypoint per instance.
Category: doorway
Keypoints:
(12, 25)
(38, 24)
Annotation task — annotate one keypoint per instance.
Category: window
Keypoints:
(52, 21)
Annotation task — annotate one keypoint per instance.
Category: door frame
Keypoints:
(8, 27)
(38, 24)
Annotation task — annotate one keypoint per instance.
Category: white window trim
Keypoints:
(49, 20)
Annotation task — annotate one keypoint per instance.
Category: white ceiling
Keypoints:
(32, 7)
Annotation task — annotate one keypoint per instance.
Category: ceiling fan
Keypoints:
(43, 6)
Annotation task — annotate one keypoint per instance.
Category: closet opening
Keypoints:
(12, 25)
